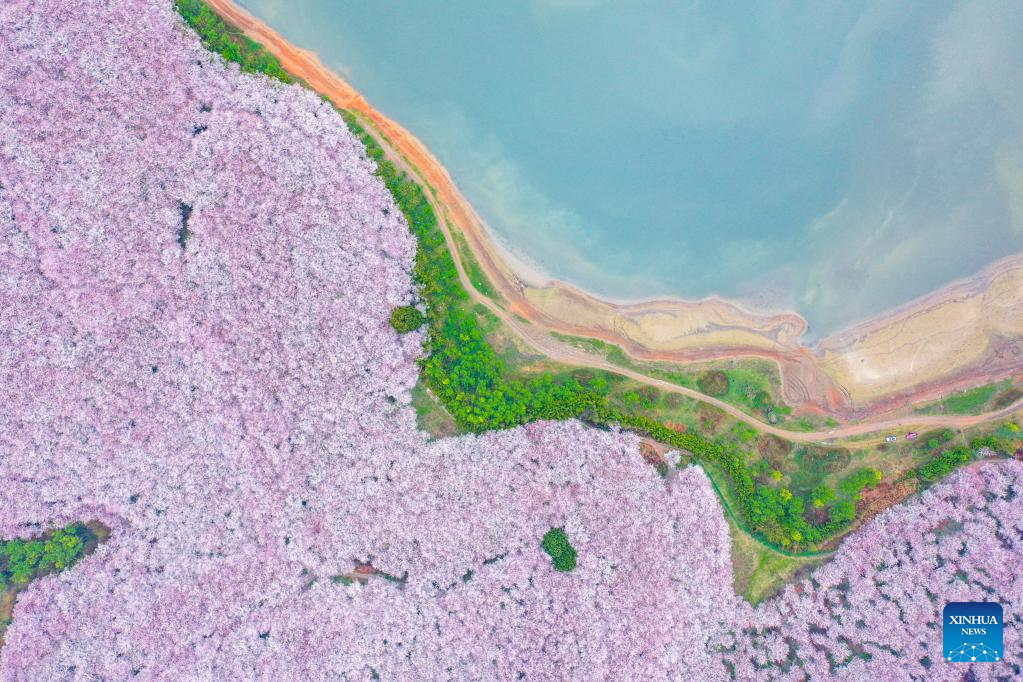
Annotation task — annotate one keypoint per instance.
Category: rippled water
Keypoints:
(835, 158)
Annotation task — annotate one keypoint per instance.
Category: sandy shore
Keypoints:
(968, 333)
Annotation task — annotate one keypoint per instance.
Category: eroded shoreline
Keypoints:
(967, 333)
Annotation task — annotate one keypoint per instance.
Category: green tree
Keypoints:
(23, 560)
(944, 464)
(821, 496)
(555, 543)
(843, 512)
(854, 484)
(406, 319)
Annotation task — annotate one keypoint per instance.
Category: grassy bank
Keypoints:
(476, 376)
(758, 572)
(229, 42)
(751, 385)
(977, 400)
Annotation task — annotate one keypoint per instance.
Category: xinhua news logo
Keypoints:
(972, 632)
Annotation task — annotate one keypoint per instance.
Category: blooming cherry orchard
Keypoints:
(197, 268)
(874, 611)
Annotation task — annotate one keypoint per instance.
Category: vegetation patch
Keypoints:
(858, 481)
(431, 416)
(479, 279)
(1010, 433)
(944, 464)
(1007, 398)
(932, 440)
(714, 383)
(611, 352)
(461, 367)
(229, 42)
(773, 449)
(22, 561)
(555, 543)
(751, 383)
(969, 401)
(407, 319)
(823, 461)
(802, 424)
(876, 500)
(976, 400)
(760, 571)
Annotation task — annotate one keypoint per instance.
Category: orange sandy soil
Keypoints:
(966, 334)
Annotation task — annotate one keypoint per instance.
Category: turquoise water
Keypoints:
(833, 158)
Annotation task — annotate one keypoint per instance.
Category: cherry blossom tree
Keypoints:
(197, 268)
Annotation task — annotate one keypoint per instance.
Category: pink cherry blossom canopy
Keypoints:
(230, 400)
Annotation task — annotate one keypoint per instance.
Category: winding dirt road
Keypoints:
(413, 157)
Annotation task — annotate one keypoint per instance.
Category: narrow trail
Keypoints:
(307, 66)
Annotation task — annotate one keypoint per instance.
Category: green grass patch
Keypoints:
(431, 416)
(759, 572)
(609, 351)
(975, 400)
(801, 425)
(479, 279)
(969, 402)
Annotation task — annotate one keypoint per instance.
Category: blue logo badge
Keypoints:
(972, 632)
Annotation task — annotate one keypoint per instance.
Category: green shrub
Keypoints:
(843, 512)
(988, 442)
(566, 562)
(555, 543)
(406, 319)
(714, 383)
(944, 464)
(228, 42)
(855, 483)
(822, 495)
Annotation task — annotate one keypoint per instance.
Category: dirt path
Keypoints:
(406, 151)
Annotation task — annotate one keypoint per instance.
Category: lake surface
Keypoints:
(833, 158)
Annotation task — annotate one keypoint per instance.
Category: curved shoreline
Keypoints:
(967, 333)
